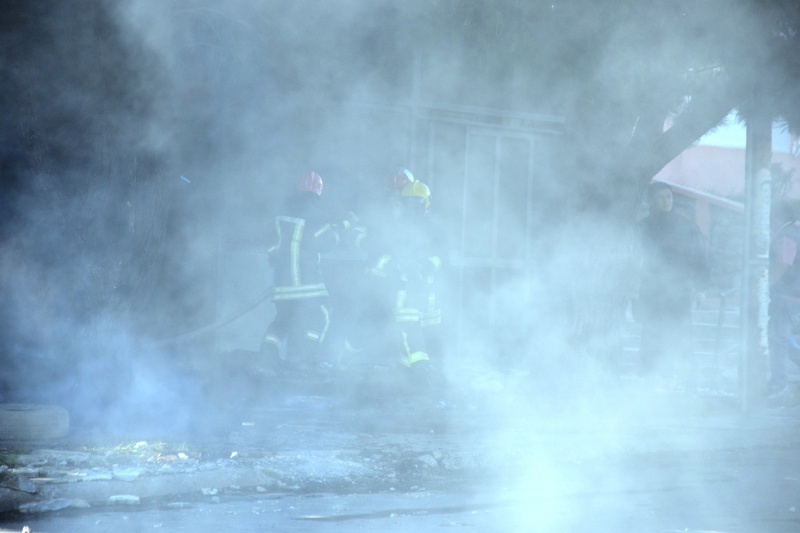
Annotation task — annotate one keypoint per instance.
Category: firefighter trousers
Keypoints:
(302, 324)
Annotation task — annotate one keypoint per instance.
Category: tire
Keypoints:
(25, 421)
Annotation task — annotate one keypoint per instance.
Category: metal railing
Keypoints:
(724, 296)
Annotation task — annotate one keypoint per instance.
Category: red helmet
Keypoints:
(401, 178)
(310, 182)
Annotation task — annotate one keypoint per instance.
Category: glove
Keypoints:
(350, 221)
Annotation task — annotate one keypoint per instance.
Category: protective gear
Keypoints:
(404, 272)
(401, 178)
(417, 189)
(300, 296)
(310, 182)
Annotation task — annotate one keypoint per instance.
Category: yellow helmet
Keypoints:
(417, 189)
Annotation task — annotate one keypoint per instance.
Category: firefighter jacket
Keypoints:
(408, 263)
(303, 233)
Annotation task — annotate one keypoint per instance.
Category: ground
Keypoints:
(489, 457)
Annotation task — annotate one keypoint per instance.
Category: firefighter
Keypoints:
(424, 234)
(399, 180)
(302, 314)
(372, 321)
(407, 267)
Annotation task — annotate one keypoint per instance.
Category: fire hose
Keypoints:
(264, 296)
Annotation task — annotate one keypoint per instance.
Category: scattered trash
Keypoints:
(126, 474)
(124, 499)
(16, 482)
(179, 505)
(81, 475)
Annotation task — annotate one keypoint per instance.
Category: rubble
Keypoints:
(17, 482)
(325, 454)
(179, 505)
(124, 499)
(55, 504)
(125, 474)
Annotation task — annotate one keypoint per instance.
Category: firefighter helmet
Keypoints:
(310, 182)
(401, 178)
(417, 189)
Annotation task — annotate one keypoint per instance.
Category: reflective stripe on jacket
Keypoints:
(303, 234)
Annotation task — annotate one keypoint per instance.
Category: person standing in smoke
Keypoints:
(784, 294)
(406, 266)
(302, 318)
(673, 267)
(371, 318)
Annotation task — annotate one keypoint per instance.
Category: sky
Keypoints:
(733, 134)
